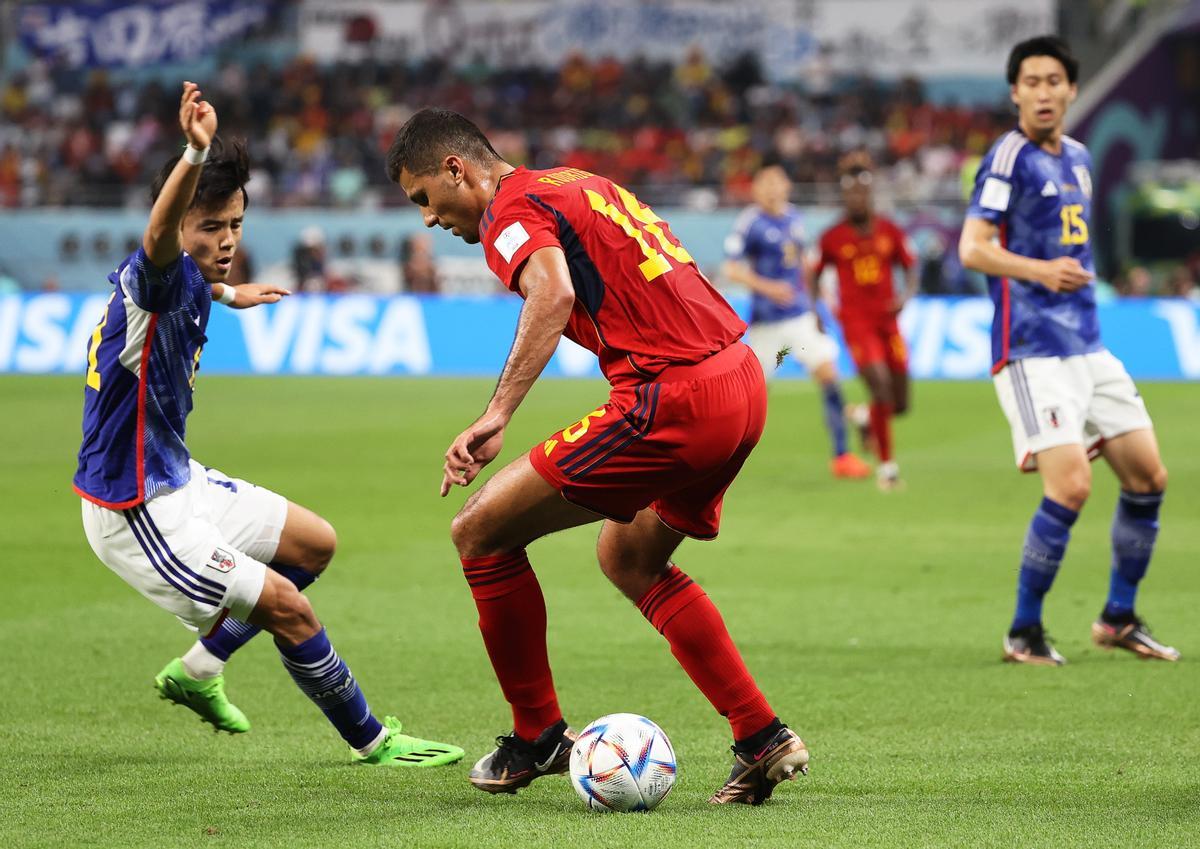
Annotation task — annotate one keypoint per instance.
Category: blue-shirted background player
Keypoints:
(226, 557)
(765, 254)
(1067, 399)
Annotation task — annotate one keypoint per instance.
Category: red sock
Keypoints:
(512, 618)
(684, 614)
(881, 429)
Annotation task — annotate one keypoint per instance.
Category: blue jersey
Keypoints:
(142, 360)
(1042, 204)
(773, 247)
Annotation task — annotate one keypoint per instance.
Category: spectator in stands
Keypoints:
(1181, 284)
(417, 264)
(319, 131)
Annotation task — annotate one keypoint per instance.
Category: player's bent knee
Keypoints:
(1072, 491)
(1151, 480)
(469, 533)
(322, 547)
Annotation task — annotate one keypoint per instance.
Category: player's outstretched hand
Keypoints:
(197, 118)
(1064, 274)
(473, 449)
(252, 294)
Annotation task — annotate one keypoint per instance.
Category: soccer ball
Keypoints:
(622, 762)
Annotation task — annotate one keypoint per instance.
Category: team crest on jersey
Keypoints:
(1052, 416)
(221, 560)
(1084, 178)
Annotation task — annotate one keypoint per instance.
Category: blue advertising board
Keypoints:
(427, 335)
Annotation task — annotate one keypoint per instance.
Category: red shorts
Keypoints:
(875, 340)
(674, 444)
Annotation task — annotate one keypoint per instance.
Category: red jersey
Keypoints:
(641, 304)
(864, 263)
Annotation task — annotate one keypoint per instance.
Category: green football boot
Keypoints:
(401, 750)
(206, 698)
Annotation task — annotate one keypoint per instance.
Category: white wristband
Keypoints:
(227, 294)
(194, 156)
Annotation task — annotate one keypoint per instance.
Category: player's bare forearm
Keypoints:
(978, 250)
(163, 239)
(740, 273)
(912, 282)
(549, 299)
(248, 294)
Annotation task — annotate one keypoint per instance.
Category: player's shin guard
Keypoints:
(881, 429)
(1045, 544)
(325, 678)
(1134, 530)
(835, 418)
(232, 633)
(512, 619)
(683, 613)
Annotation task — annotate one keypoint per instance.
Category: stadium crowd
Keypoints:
(317, 132)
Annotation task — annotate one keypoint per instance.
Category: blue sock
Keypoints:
(1134, 529)
(233, 633)
(835, 419)
(1045, 543)
(325, 678)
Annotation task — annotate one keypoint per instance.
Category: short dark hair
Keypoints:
(431, 135)
(227, 170)
(1042, 45)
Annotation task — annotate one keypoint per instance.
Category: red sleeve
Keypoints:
(904, 254)
(519, 227)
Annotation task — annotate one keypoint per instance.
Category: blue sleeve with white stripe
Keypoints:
(156, 289)
(992, 195)
(739, 245)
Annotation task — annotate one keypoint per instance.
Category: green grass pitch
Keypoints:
(873, 623)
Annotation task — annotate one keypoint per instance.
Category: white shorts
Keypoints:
(1081, 400)
(198, 551)
(809, 346)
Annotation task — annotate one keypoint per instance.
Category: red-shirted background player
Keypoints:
(863, 247)
(688, 404)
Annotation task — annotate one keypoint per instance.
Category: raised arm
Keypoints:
(978, 249)
(163, 240)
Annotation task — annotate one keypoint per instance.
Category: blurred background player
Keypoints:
(1066, 397)
(226, 557)
(765, 254)
(688, 405)
(863, 247)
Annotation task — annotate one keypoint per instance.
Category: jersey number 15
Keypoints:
(656, 264)
(1074, 228)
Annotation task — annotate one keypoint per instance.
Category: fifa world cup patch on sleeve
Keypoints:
(511, 238)
(995, 194)
(221, 560)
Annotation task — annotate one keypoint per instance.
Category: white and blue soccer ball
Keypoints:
(622, 762)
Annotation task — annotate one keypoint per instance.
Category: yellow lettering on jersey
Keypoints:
(549, 445)
(93, 373)
(866, 270)
(574, 432)
(195, 365)
(655, 264)
(566, 175)
(1074, 228)
(647, 216)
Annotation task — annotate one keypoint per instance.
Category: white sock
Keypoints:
(374, 744)
(201, 664)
